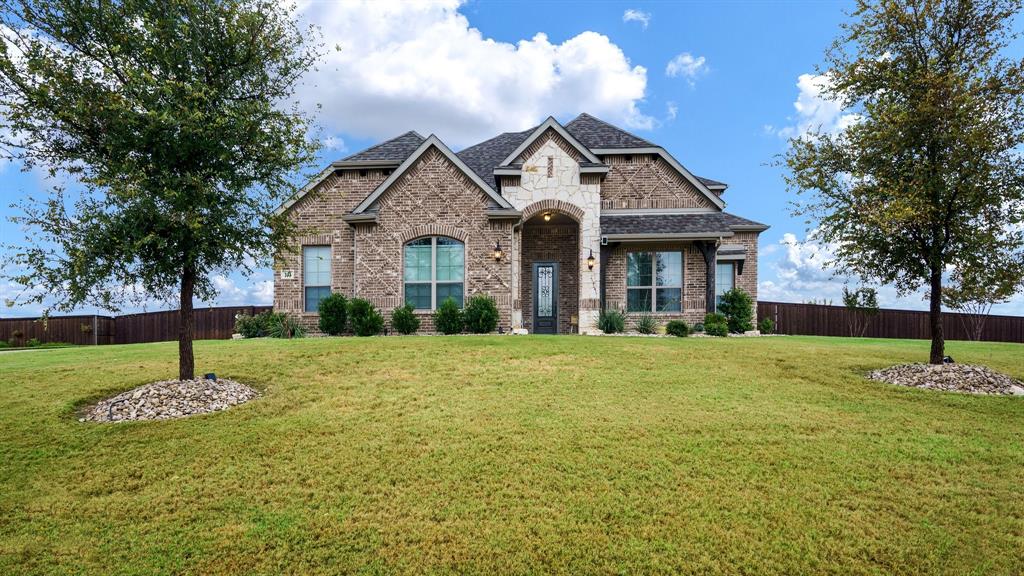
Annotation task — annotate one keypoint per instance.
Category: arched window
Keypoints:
(435, 268)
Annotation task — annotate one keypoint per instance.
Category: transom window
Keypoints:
(435, 269)
(723, 280)
(654, 281)
(316, 275)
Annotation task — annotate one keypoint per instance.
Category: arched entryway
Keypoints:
(549, 271)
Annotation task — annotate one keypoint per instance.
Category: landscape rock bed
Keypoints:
(170, 399)
(965, 378)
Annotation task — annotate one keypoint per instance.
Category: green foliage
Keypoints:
(646, 324)
(738, 308)
(256, 326)
(766, 325)
(448, 317)
(698, 327)
(404, 321)
(178, 120)
(366, 320)
(716, 324)
(863, 305)
(33, 342)
(677, 328)
(481, 314)
(611, 321)
(333, 312)
(928, 179)
(281, 325)
(4, 344)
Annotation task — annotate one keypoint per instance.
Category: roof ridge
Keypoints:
(610, 125)
(383, 142)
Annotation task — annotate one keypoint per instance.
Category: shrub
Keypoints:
(611, 321)
(481, 314)
(366, 320)
(33, 342)
(333, 314)
(646, 324)
(766, 326)
(715, 324)
(253, 326)
(677, 328)
(281, 325)
(404, 321)
(4, 344)
(448, 317)
(698, 327)
(738, 308)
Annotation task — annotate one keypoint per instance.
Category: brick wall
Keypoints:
(551, 243)
(646, 181)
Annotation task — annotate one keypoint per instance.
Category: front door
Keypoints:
(545, 298)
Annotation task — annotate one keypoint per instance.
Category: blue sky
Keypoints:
(719, 84)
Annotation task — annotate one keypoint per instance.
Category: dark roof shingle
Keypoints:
(484, 157)
(395, 150)
(597, 134)
(696, 223)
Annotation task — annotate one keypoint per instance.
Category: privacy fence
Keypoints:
(822, 320)
(209, 324)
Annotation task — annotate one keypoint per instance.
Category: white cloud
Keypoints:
(671, 111)
(686, 65)
(631, 15)
(421, 66)
(335, 143)
(814, 110)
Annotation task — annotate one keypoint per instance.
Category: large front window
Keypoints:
(654, 281)
(435, 268)
(723, 280)
(316, 275)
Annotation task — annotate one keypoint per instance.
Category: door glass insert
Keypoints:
(544, 292)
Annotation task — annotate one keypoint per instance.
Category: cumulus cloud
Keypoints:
(421, 66)
(687, 66)
(814, 110)
(631, 15)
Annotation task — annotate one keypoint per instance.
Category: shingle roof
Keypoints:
(596, 134)
(484, 157)
(711, 183)
(697, 223)
(395, 150)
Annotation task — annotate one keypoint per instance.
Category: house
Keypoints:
(555, 223)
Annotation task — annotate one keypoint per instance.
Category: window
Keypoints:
(434, 271)
(723, 280)
(316, 275)
(654, 282)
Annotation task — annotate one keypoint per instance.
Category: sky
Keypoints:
(721, 85)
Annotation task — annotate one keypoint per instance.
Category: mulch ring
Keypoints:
(966, 378)
(170, 399)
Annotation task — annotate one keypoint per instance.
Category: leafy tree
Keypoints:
(974, 296)
(333, 311)
(177, 118)
(863, 306)
(927, 176)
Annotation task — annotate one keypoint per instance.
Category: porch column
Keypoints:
(709, 250)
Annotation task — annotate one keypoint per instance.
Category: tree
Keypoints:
(862, 304)
(177, 119)
(974, 296)
(927, 176)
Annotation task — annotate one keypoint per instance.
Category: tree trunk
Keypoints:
(186, 360)
(935, 317)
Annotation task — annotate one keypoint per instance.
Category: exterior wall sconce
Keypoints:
(498, 253)
(590, 260)
(547, 216)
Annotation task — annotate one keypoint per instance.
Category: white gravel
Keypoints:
(967, 378)
(170, 399)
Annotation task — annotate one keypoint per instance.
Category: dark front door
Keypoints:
(545, 298)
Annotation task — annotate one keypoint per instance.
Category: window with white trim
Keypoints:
(654, 282)
(724, 280)
(435, 269)
(316, 275)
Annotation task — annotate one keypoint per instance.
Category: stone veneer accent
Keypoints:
(646, 181)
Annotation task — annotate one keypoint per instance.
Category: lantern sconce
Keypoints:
(590, 260)
(498, 253)
(547, 216)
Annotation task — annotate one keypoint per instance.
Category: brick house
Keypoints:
(554, 223)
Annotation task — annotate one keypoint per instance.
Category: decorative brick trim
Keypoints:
(548, 136)
(555, 205)
(432, 229)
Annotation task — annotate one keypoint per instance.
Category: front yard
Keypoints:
(515, 454)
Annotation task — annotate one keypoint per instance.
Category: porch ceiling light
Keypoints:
(590, 260)
(498, 253)
(547, 216)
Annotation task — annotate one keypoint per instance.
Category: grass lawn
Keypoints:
(515, 455)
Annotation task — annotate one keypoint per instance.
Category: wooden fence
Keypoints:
(821, 320)
(209, 324)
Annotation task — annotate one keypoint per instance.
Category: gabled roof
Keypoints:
(702, 224)
(713, 184)
(595, 133)
(484, 157)
(431, 141)
(395, 150)
(551, 124)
